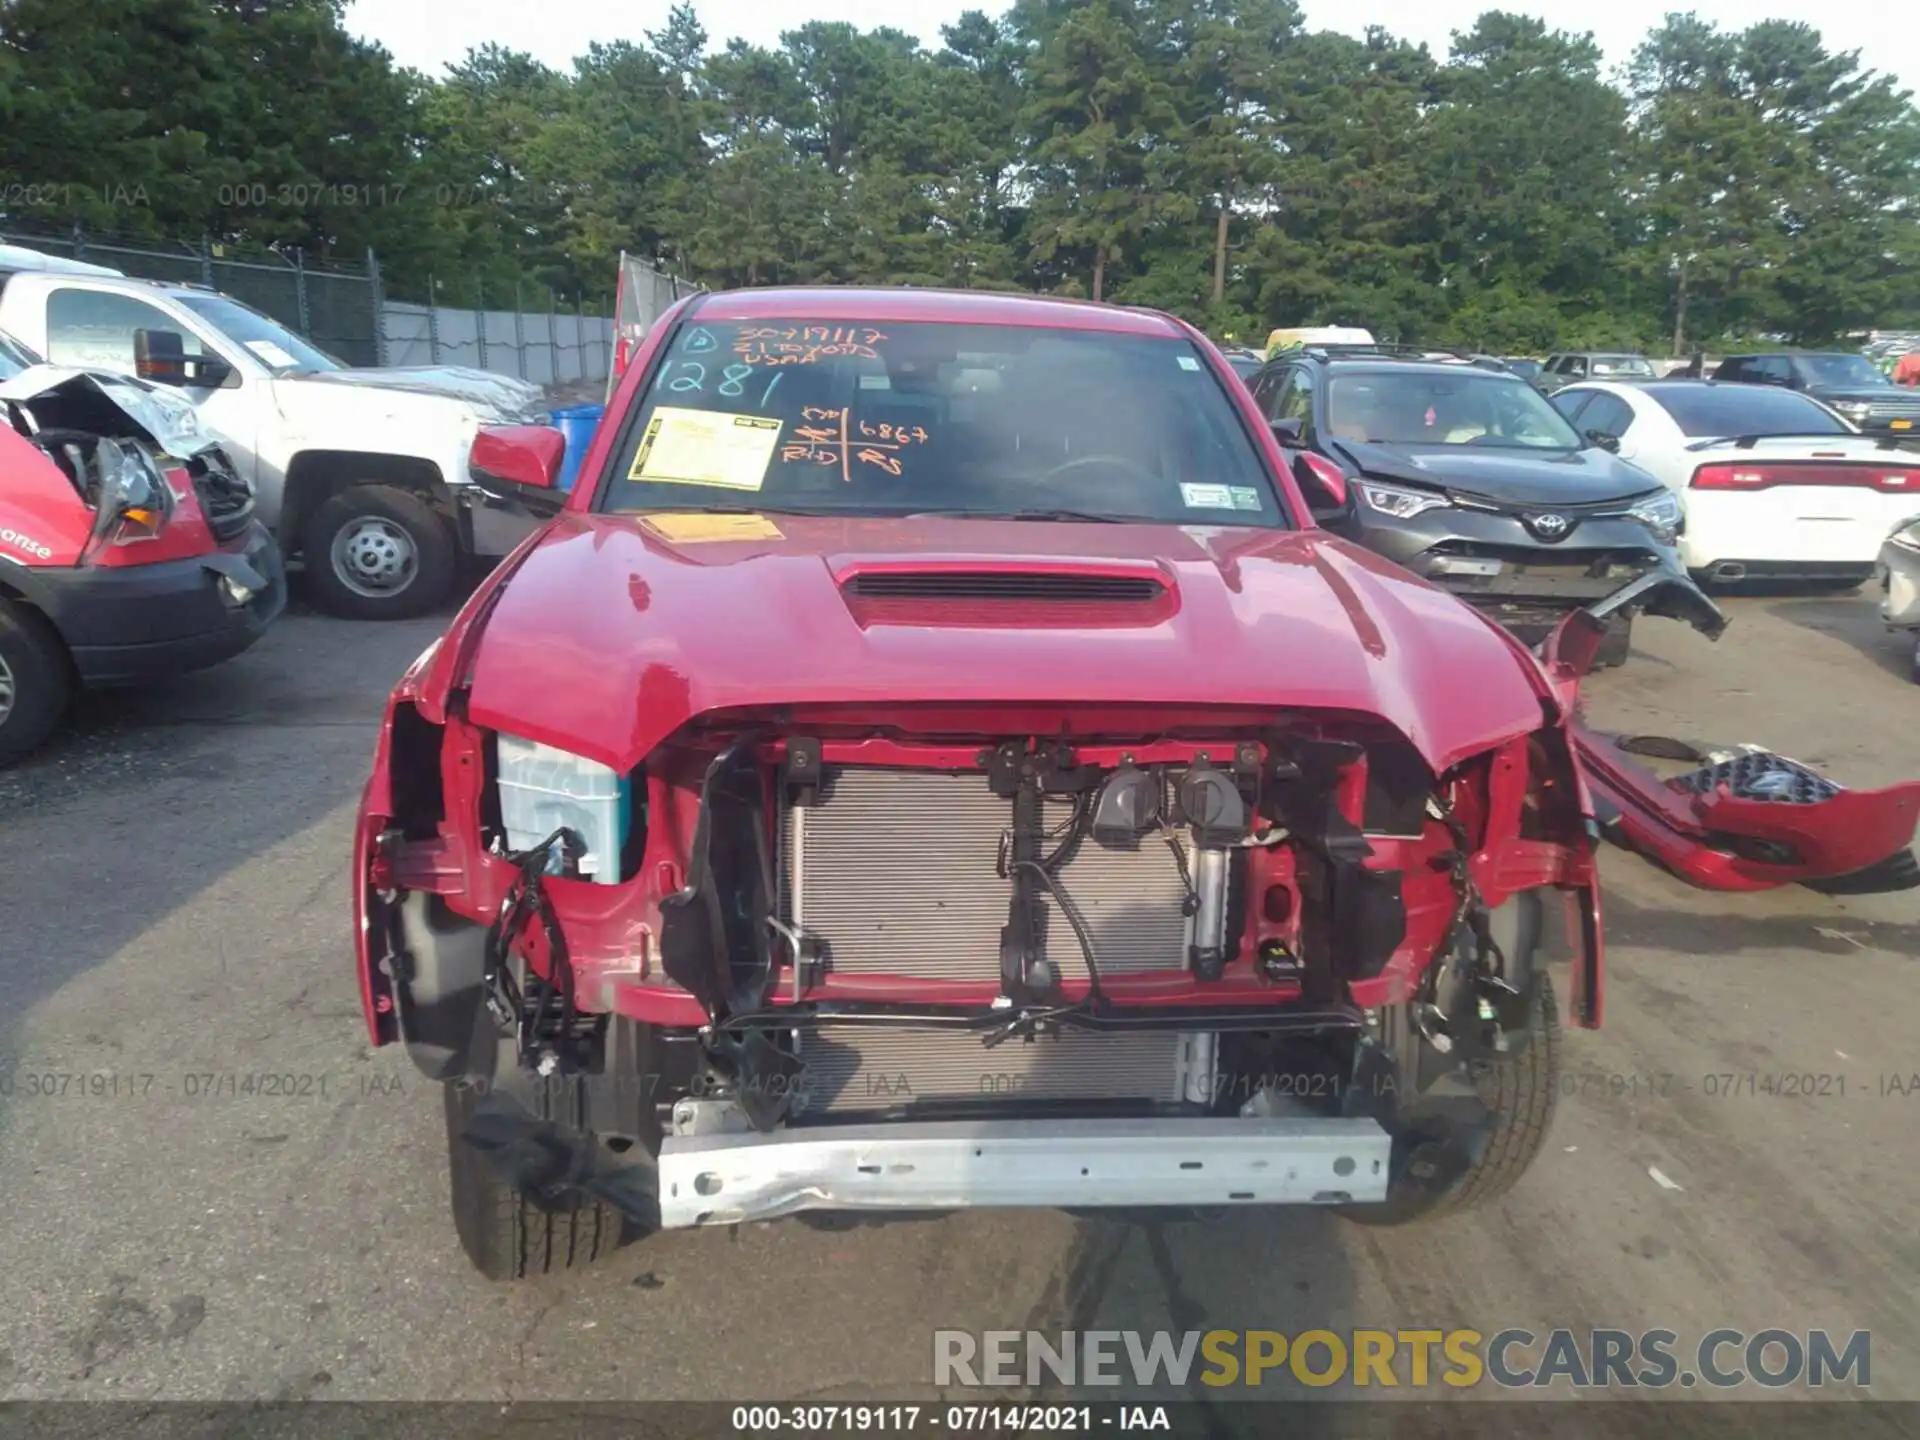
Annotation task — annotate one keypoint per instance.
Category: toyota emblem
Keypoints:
(1550, 527)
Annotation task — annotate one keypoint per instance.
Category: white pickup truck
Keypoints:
(360, 473)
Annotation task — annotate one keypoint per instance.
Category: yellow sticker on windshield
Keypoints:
(695, 526)
(701, 447)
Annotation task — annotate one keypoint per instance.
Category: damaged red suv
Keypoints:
(933, 761)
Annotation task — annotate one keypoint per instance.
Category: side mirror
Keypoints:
(524, 456)
(160, 357)
(1605, 440)
(1288, 430)
(1320, 476)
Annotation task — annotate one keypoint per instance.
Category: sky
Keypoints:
(429, 34)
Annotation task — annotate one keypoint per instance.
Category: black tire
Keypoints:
(35, 682)
(1522, 1091)
(508, 1234)
(1616, 644)
(425, 580)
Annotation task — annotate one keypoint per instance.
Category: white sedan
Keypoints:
(1776, 485)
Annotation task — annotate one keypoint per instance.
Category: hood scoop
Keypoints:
(1019, 597)
(1064, 585)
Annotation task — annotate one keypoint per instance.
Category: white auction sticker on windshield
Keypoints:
(1206, 497)
(1245, 498)
(271, 354)
(701, 447)
(1187, 362)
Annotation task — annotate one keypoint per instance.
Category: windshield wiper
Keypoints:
(1086, 516)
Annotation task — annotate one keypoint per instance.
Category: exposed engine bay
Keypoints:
(911, 933)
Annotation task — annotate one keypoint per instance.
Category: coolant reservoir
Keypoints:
(543, 789)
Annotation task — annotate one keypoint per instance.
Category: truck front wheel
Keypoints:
(34, 685)
(376, 552)
(1519, 1092)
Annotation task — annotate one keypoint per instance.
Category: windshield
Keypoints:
(971, 420)
(1717, 412)
(268, 341)
(1623, 367)
(1841, 370)
(14, 357)
(1424, 407)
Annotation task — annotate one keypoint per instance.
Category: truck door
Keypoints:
(94, 329)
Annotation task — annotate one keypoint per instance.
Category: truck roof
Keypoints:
(18, 258)
(904, 306)
(102, 278)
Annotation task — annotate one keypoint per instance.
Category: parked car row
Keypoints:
(1461, 475)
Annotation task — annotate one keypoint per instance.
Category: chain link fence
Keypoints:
(644, 294)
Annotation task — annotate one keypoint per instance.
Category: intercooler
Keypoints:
(896, 872)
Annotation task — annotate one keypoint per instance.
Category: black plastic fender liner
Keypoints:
(437, 963)
(714, 939)
(552, 1162)
(1428, 1103)
(546, 1134)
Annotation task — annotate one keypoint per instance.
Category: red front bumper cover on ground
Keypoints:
(1744, 818)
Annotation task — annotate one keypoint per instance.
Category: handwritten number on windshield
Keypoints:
(733, 380)
(833, 436)
(693, 376)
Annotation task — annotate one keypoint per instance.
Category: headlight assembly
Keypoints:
(1663, 514)
(1400, 504)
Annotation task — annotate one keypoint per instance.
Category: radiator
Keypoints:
(895, 872)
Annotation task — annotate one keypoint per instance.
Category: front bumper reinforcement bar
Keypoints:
(728, 1179)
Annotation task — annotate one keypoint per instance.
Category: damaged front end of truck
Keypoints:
(919, 957)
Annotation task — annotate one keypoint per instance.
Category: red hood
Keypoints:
(606, 638)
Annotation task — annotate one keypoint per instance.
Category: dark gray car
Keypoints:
(1467, 477)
